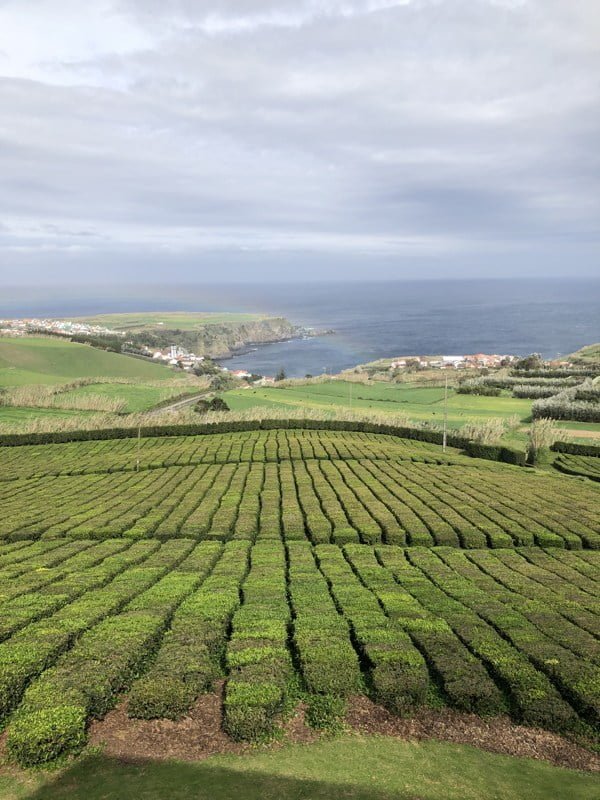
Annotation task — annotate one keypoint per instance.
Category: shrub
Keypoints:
(42, 736)
(480, 389)
(576, 449)
(325, 711)
(155, 698)
(251, 709)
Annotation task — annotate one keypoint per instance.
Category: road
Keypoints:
(187, 401)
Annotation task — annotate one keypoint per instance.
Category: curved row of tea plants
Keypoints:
(586, 466)
(339, 501)
(487, 631)
(321, 486)
(130, 455)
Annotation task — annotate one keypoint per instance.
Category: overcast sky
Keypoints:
(296, 139)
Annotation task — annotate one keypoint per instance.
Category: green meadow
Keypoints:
(174, 320)
(39, 360)
(423, 404)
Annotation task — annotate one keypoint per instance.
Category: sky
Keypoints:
(282, 140)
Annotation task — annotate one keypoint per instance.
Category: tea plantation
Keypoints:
(296, 564)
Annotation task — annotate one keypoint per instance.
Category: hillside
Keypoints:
(587, 355)
(216, 335)
(359, 573)
(38, 360)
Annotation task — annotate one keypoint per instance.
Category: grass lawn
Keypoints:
(34, 360)
(419, 403)
(353, 768)
(169, 320)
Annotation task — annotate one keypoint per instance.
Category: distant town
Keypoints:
(24, 327)
(476, 361)
(178, 357)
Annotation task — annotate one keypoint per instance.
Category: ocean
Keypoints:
(371, 319)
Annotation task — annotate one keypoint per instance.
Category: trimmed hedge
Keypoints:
(402, 432)
(62, 437)
(575, 372)
(485, 391)
(493, 452)
(576, 449)
(261, 672)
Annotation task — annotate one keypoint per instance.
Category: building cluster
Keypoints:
(176, 356)
(475, 361)
(22, 327)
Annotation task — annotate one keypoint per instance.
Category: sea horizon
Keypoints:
(371, 319)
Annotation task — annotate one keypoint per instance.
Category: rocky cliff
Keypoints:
(220, 340)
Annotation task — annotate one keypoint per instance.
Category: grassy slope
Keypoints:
(354, 768)
(13, 415)
(590, 354)
(421, 404)
(139, 397)
(37, 360)
(181, 320)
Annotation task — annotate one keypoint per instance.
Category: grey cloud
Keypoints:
(370, 129)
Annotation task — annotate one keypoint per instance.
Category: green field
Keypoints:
(423, 404)
(299, 568)
(168, 320)
(33, 360)
(350, 768)
(137, 397)
(14, 415)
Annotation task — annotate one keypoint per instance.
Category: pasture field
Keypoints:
(38, 360)
(294, 565)
(423, 404)
(168, 320)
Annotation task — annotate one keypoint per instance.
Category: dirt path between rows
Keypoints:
(200, 734)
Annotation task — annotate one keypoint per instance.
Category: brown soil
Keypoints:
(200, 734)
(192, 738)
(495, 734)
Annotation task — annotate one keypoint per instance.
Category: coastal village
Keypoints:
(57, 327)
(173, 356)
(475, 361)
(179, 358)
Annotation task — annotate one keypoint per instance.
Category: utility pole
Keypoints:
(350, 392)
(139, 438)
(445, 415)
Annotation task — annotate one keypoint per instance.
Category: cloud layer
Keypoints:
(256, 138)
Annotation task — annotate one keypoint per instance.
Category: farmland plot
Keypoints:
(293, 565)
